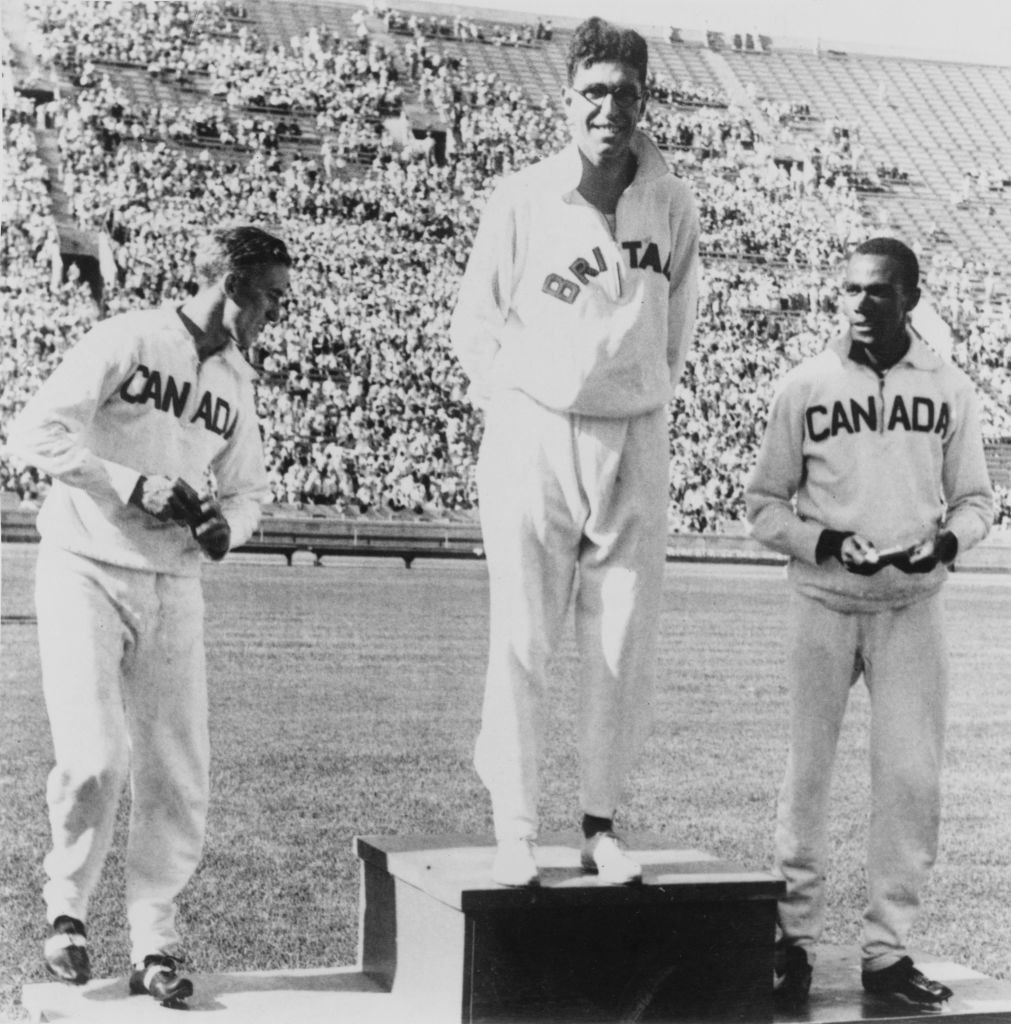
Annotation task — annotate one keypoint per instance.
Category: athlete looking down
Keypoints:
(129, 426)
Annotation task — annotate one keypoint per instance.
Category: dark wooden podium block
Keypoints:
(693, 942)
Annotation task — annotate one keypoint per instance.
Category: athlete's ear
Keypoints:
(230, 284)
(913, 298)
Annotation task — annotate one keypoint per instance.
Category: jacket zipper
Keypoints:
(615, 247)
(881, 393)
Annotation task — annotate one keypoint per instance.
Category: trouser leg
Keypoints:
(624, 467)
(530, 541)
(167, 714)
(82, 640)
(822, 667)
(907, 675)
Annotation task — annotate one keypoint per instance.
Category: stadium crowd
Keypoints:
(39, 311)
(363, 405)
(977, 305)
(177, 39)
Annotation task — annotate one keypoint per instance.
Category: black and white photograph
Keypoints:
(506, 512)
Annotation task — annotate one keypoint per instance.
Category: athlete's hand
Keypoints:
(211, 530)
(924, 557)
(859, 555)
(169, 501)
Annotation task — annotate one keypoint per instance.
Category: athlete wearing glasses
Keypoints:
(573, 324)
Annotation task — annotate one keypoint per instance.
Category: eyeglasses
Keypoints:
(625, 96)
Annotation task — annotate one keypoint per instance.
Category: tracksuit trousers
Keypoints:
(123, 674)
(902, 655)
(572, 508)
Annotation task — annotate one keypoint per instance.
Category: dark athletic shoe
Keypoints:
(792, 983)
(66, 951)
(159, 978)
(904, 983)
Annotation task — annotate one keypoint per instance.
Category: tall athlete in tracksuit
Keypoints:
(573, 324)
(128, 426)
(877, 440)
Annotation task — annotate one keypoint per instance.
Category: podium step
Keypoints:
(693, 942)
(838, 998)
(320, 996)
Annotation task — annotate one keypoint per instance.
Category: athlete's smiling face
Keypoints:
(604, 104)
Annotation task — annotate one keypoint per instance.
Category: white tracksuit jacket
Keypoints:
(891, 457)
(615, 349)
(130, 399)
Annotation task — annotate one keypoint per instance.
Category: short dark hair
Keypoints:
(597, 40)
(909, 265)
(239, 248)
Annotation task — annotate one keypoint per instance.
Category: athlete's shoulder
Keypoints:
(669, 192)
(133, 322)
(959, 387)
(806, 378)
(679, 189)
(137, 335)
(654, 168)
(114, 332)
(680, 200)
(954, 375)
(519, 195)
(951, 376)
(552, 171)
(816, 366)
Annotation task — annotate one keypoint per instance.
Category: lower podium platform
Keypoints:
(343, 995)
(440, 943)
(693, 942)
(340, 995)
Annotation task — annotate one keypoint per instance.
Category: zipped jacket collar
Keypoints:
(650, 164)
(919, 355)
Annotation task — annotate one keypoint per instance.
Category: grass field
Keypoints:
(345, 699)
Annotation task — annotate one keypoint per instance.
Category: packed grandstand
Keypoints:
(370, 136)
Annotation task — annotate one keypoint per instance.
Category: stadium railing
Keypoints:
(289, 534)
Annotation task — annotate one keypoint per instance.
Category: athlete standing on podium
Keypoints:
(574, 321)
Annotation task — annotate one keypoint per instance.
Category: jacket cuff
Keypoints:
(830, 545)
(946, 546)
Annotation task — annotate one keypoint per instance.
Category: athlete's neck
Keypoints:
(201, 315)
(601, 185)
(881, 357)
